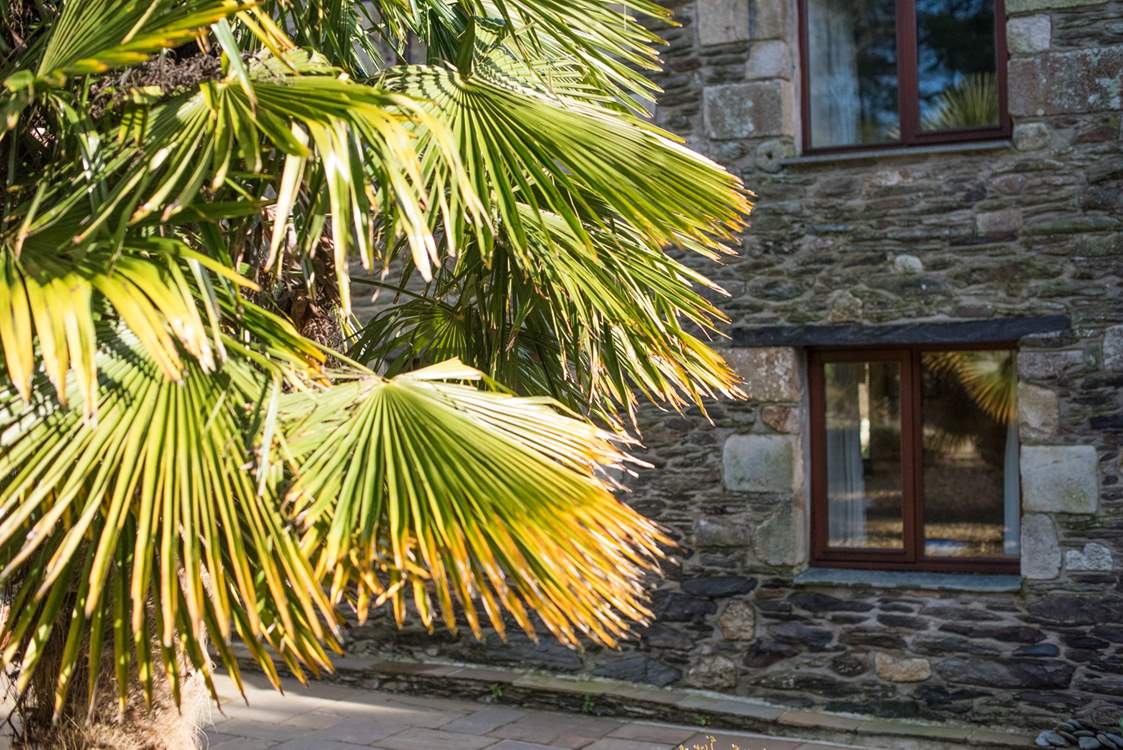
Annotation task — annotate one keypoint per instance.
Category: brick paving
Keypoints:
(332, 717)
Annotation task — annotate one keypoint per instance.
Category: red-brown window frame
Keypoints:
(911, 556)
(908, 96)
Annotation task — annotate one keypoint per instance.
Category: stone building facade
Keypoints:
(1026, 228)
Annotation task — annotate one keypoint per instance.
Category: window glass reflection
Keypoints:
(863, 447)
(971, 492)
(957, 84)
(852, 58)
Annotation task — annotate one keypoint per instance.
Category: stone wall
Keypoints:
(1033, 226)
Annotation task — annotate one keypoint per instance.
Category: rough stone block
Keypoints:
(784, 419)
(722, 21)
(782, 538)
(1036, 364)
(759, 463)
(721, 532)
(1006, 673)
(769, 59)
(1041, 552)
(769, 19)
(767, 373)
(1031, 136)
(738, 622)
(897, 669)
(993, 223)
(1028, 35)
(1113, 349)
(713, 673)
(747, 110)
(1057, 83)
(1038, 412)
(770, 155)
(1094, 556)
(907, 264)
(1060, 478)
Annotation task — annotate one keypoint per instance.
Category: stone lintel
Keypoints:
(997, 330)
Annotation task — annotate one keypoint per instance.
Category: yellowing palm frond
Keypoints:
(418, 488)
(169, 530)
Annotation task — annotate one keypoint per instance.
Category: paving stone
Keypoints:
(359, 730)
(487, 720)
(219, 741)
(261, 730)
(518, 745)
(316, 743)
(433, 739)
(653, 732)
(723, 740)
(618, 744)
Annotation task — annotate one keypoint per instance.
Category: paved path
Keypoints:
(332, 717)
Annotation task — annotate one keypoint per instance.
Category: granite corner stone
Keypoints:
(1060, 479)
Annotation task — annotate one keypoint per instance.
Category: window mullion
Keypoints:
(908, 97)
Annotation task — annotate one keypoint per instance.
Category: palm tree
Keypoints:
(200, 443)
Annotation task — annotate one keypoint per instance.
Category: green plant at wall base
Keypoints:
(202, 444)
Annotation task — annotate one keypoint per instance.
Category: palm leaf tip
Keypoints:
(428, 490)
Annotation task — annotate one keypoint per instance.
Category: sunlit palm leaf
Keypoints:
(521, 148)
(153, 500)
(93, 36)
(416, 488)
(587, 327)
(50, 297)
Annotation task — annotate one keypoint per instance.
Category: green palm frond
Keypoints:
(590, 328)
(522, 148)
(94, 36)
(418, 488)
(50, 298)
(189, 185)
(152, 503)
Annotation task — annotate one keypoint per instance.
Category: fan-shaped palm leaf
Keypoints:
(424, 488)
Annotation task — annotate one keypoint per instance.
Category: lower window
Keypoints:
(915, 458)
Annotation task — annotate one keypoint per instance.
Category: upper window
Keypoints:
(902, 72)
(915, 459)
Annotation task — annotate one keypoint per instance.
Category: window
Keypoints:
(915, 458)
(902, 72)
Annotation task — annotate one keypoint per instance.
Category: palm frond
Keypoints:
(590, 328)
(418, 488)
(151, 511)
(521, 147)
(50, 299)
(94, 36)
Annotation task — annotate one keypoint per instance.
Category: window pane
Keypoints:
(971, 494)
(863, 414)
(852, 69)
(956, 56)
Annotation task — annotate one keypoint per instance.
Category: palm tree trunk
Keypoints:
(85, 724)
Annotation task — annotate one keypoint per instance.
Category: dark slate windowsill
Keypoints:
(906, 152)
(990, 331)
(908, 579)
